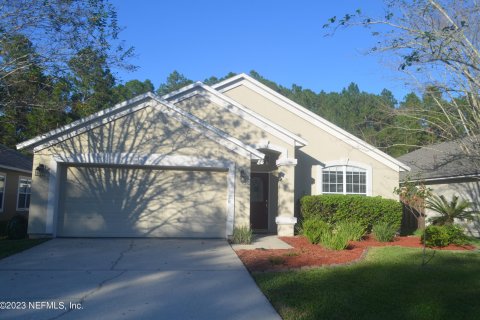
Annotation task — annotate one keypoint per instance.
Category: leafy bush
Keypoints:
(314, 229)
(384, 232)
(456, 235)
(318, 231)
(242, 235)
(367, 211)
(354, 230)
(442, 236)
(336, 239)
(17, 227)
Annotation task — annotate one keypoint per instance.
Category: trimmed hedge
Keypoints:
(367, 211)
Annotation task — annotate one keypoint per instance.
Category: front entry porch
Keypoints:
(272, 194)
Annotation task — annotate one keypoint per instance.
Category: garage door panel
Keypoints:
(143, 202)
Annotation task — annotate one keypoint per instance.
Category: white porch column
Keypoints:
(286, 197)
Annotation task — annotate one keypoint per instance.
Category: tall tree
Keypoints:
(175, 81)
(212, 80)
(23, 91)
(92, 83)
(42, 47)
(132, 89)
(59, 29)
(437, 43)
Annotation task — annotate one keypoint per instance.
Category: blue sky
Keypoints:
(282, 40)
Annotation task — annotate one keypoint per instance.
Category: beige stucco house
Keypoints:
(197, 163)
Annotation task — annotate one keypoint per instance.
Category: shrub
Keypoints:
(336, 239)
(456, 235)
(442, 236)
(318, 231)
(17, 227)
(384, 232)
(354, 230)
(242, 235)
(367, 211)
(313, 229)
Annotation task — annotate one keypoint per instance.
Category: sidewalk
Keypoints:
(262, 241)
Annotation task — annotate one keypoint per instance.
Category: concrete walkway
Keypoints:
(262, 241)
(130, 279)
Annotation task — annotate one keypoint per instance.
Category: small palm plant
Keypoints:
(449, 210)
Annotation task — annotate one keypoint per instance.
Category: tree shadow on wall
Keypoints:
(133, 176)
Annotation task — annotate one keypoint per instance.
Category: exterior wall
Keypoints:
(281, 193)
(220, 117)
(468, 189)
(130, 139)
(323, 147)
(11, 194)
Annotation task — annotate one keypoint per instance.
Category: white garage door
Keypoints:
(142, 202)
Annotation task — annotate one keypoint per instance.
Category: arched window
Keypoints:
(343, 179)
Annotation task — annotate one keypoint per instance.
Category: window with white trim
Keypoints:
(2, 191)
(24, 191)
(344, 180)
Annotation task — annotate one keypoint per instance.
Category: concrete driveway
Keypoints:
(129, 279)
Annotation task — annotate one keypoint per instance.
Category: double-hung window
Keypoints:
(342, 179)
(24, 190)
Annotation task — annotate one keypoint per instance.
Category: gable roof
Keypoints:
(446, 160)
(238, 109)
(122, 109)
(302, 112)
(14, 160)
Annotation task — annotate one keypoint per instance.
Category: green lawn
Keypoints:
(389, 284)
(9, 247)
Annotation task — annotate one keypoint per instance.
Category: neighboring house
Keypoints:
(15, 182)
(447, 170)
(197, 163)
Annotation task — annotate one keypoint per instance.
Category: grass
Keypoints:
(389, 284)
(9, 247)
(474, 241)
(275, 260)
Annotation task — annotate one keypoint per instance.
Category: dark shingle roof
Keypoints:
(444, 160)
(14, 159)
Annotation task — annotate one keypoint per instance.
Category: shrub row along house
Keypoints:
(15, 183)
(197, 162)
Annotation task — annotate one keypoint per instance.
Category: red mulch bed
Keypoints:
(305, 255)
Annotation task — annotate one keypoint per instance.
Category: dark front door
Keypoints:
(259, 200)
